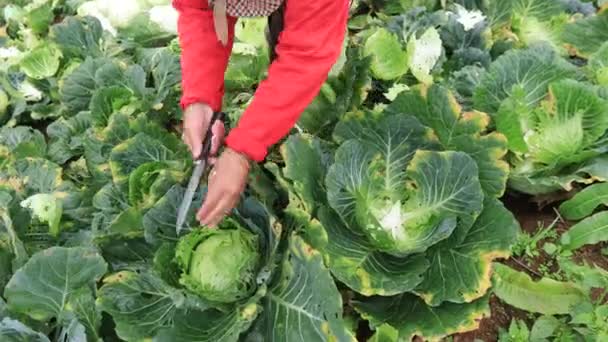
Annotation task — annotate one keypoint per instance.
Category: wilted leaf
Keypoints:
(589, 231)
(585, 202)
(546, 296)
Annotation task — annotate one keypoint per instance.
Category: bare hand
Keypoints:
(226, 183)
(196, 121)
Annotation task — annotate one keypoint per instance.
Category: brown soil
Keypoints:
(500, 317)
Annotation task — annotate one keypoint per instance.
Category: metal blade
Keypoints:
(184, 207)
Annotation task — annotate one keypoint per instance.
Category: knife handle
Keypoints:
(207, 142)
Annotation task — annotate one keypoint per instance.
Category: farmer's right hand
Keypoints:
(196, 120)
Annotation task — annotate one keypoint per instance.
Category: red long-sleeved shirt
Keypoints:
(307, 49)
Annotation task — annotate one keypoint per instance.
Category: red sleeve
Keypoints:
(307, 49)
(204, 59)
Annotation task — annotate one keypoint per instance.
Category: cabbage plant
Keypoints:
(404, 210)
(248, 279)
(554, 118)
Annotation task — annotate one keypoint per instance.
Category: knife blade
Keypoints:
(193, 184)
(197, 175)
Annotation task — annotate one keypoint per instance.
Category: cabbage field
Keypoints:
(448, 183)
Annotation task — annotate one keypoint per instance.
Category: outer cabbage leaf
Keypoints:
(76, 88)
(498, 12)
(586, 36)
(159, 220)
(103, 85)
(66, 137)
(411, 317)
(457, 130)
(460, 272)
(245, 69)
(100, 143)
(114, 216)
(14, 331)
(150, 181)
(306, 162)
(23, 141)
(155, 27)
(539, 21)
(589, 172)
(4, 103)
(514, 119)
(38, 175)
(531, 70)
(78, 37)
(465, 40)
(39, 17)
(304, 304)
(139, 150)
(54, 282)
(142, 304)
(34, 176)
(385, 333)
(165, 69)
(358, 264)
(209, 325)
(107, 101)
(13, 249)
(598, 65)
(339, 95)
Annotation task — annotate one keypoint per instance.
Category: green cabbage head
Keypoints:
(219, 264)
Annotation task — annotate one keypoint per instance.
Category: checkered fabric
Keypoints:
(252, 8)
(239, 8)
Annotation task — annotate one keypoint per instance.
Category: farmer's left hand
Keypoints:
(226, 183)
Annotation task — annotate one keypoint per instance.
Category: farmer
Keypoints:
(308, 36)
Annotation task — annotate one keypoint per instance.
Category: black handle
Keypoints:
(207, 142)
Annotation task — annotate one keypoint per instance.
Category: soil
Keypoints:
(500, 317)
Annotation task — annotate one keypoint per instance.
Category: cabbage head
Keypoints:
(219, 264)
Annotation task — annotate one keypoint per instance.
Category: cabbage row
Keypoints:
(382, 206)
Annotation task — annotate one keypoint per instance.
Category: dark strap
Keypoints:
(276, 23)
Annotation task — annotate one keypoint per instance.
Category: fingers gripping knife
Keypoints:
(200, 167)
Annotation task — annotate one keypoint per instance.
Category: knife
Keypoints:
(195, 180)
